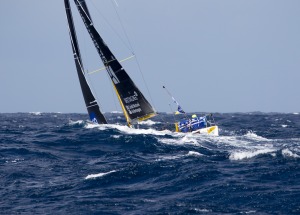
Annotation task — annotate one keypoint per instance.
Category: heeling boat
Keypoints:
(133, 103)
(195, 125)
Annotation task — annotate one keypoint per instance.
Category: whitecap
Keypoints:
(15, 160)
(252, 135)
(250, 212)
(116, 136)
(78, 122)
(93, 176)
(202, 210)
(240, 155)
(288, 153)
(193, 153)
(125, 129)
(115, 111)
(284, 126)
(148, 122)
(171, 157)
(36, 113)
(181, 141)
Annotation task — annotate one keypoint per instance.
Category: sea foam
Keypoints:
(93, 176)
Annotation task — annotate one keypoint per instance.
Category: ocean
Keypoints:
(55, 163)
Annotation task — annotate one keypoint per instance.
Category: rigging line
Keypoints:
(91, 84)
(112, 92)
(172, 113)
(103, 68)
(129, 47)
(139, 67)
(127, 37)
(113, 29)
(116, 3)
(79, 4)
(173, 99)
(122, 25)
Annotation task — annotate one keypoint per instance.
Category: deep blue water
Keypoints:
(53, 163)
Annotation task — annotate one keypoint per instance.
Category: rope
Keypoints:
(131, 49)
(113, 29)
(128, 44)
(123, 28)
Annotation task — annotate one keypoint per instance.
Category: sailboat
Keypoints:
(133, 103)
(195, 125)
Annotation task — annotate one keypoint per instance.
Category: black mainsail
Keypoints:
(90, 101)
(134, 105)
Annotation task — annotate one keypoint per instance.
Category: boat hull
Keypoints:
(212, 130)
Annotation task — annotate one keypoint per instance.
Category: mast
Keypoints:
(134, 105)
(90, 101)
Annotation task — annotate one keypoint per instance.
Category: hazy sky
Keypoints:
(213, 55)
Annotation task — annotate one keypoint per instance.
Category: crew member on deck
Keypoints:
(194, 122)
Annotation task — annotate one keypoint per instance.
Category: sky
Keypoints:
(212, 55)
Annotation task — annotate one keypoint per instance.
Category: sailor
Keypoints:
(202, 122)
(183, 126)
(189, 125)
(194, 122)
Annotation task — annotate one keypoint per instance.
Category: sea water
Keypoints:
(54, 163)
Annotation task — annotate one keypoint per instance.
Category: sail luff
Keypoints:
(135, 106)
(90, 101)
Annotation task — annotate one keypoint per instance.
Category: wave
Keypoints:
(175, 157)
(35, 113)
(252, 135)
(170, 157)
(125, 129)
(193, 153)
(288, 153)
(240, 155)
(77, 122)
(93, 176)
(181, 141)
(115, 111)
(148, 122)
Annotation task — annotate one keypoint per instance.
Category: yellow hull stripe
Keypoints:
(176, 127)
(211, 129)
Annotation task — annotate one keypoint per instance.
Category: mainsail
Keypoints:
(90, 101)
(134, 105)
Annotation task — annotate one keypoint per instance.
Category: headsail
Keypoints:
(90, 101)
(135, 106)
(179, 108)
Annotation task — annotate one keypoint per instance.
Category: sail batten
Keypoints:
(90, 101)
(134, 105)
